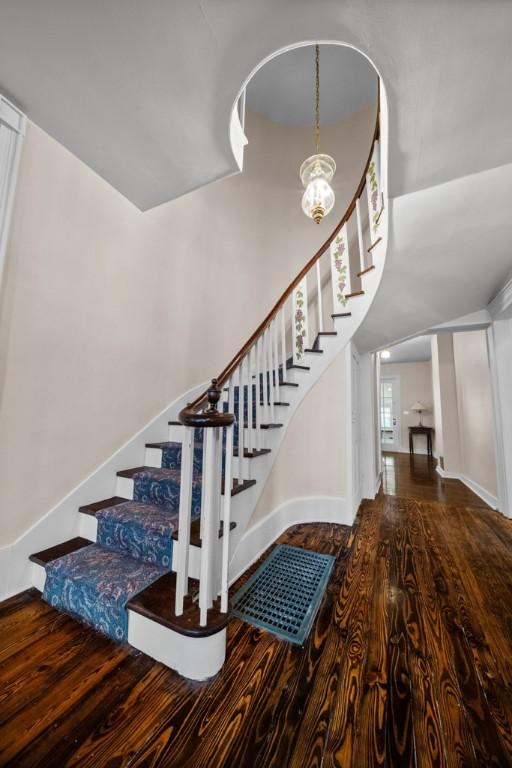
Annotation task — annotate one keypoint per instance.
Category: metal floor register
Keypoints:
(283, 595)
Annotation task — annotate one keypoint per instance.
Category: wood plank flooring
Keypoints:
(409, 662)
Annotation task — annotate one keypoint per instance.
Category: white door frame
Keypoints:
(12, 132)
(395, 379)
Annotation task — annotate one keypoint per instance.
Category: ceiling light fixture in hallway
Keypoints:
(318, 170)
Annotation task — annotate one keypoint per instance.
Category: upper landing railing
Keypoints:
(251, 382)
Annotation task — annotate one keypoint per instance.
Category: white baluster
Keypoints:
(277, 391)
(283, 343)
(250, 437)
(360, 235)
(210, 527)
(266, 398)
(319, 295)
(203, 471)
(187, 464)
(259, 393)
(241, 428)
(270, 375)
(226, 510)
(231, 409)
(240, 416)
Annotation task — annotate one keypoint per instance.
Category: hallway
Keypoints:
(409, 662)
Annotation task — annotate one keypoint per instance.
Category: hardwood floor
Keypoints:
(409, 662)
(415, 476)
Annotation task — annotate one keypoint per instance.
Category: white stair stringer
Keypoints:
(345, 327)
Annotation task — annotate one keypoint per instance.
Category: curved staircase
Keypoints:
(152, 564)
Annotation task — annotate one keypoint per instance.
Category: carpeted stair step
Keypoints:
(154, 485)
(140, 530)
(94, 583)
(92, 509)
(162, 486)
(171, 454)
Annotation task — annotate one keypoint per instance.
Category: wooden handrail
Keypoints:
(186, 416)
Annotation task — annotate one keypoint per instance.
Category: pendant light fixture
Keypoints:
(317, 171)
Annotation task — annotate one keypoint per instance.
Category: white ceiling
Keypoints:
(283, 90)
(415, 350)
(142, 92)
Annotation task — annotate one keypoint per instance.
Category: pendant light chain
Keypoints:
(317, 91)
(317, 171)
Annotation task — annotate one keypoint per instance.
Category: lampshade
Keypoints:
(318, 199)
(419, 407)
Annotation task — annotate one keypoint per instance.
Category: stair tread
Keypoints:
(270, 425)
(288, 384)
(195, 529)
(176, 473)
(164, 444)
(239, 487)
(95, 506)
(354, 294)
(59, 550)
(156, 602)
(129, 473)
(365, 271)
(252, 454)
(341, 314)
(315, 351)
(299, 367)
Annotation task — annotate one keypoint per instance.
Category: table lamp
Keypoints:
(420, 408)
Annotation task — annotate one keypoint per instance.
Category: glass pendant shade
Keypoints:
(318, 199)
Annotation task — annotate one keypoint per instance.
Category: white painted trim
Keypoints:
(484, 494)
(447, 475)
(13, 124)
(501, 305)
(62, 521)
(237, 136)
(305, 509)
(499, 439)
(394, 379)
(197, 658)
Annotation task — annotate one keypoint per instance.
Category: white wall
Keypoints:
(108, 314)
(312, 459)
(415, 384)
(474, 404)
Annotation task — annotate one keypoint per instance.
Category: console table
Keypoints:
(428, 431)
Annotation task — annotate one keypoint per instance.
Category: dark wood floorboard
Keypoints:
(409, 662)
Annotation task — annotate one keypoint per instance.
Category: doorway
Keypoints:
(390, 413)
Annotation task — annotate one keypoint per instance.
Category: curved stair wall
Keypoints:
(227, 438)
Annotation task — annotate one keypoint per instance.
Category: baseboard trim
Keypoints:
(484, 494)
(305, 509)
(447, 475)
